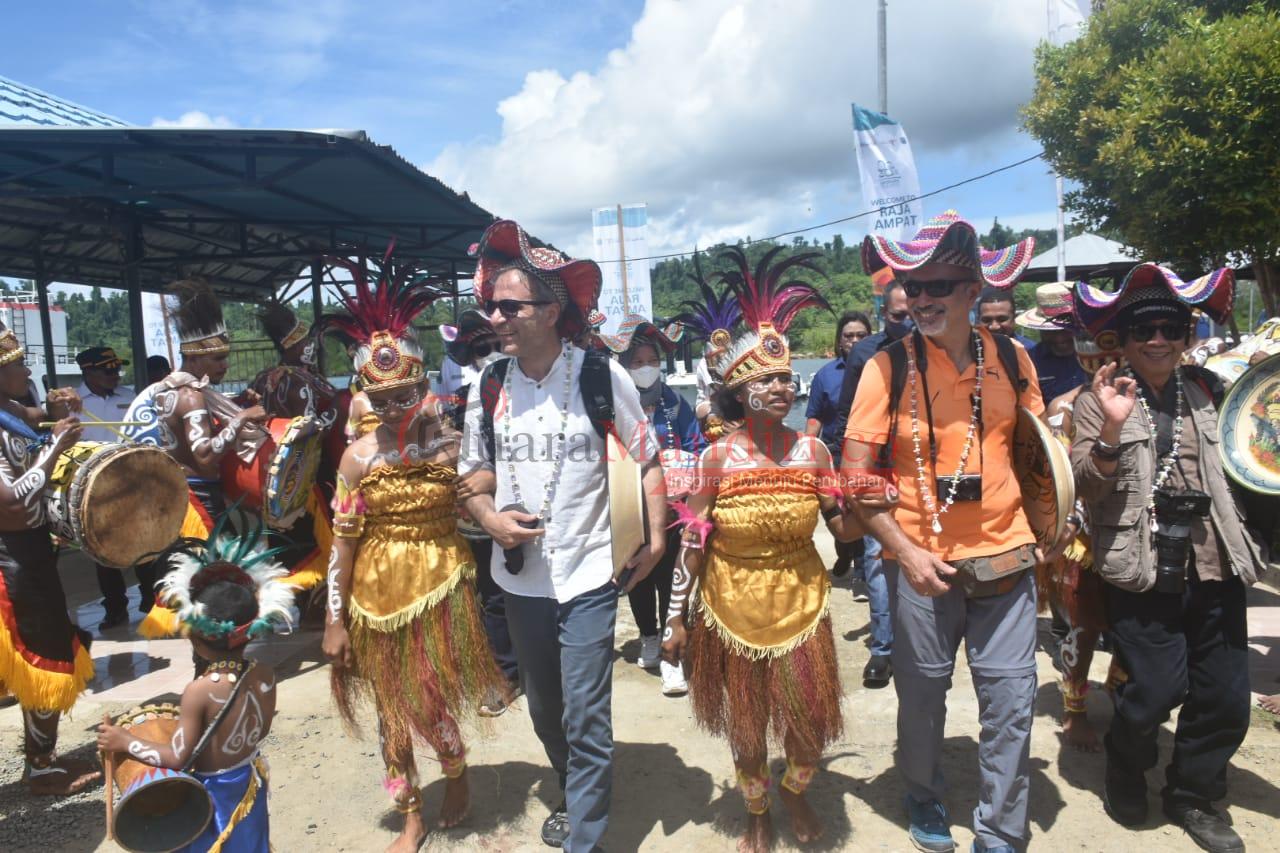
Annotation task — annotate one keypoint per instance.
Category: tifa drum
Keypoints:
(159, 809)
(279, 479)
(118, 502)
(1043, 470)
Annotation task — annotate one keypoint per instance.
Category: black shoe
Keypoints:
(1124, 797)
(113, 619)
(555, 829)
(877, 672)
(1205, 826)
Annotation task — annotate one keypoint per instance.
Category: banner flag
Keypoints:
(605, 234)
(159, 339)
(887, 171)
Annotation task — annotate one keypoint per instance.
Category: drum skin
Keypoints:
(279, 478)
(118, 502)
(1043, 471)
(159, 809)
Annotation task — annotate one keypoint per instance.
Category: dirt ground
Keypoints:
(673, 787)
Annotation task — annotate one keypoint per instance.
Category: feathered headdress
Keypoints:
(281, 325)
(198, 316)
(769, 304)
(233, 558)
(715, 311)
(380, 319)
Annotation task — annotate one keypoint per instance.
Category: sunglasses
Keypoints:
(1171, 332)
(938, 288)
(510, 308)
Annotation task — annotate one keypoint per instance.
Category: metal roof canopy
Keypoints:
(136, 208)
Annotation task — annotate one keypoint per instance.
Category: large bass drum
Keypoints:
(280, 477)
(159, 809)
(118, 502)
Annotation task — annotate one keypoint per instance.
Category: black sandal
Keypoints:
(555, 829)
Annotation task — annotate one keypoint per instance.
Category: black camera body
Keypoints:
(968, 487)
(514, 557)
(1172, 539)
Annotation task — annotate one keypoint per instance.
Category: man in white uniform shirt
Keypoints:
(105, 400)
(554, 560)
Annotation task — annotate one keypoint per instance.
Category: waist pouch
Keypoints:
(997, 574)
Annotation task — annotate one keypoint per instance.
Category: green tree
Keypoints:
(1166, 113)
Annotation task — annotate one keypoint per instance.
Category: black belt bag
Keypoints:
(997, 574)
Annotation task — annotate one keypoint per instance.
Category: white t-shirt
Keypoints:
(111, 408)
(574, 556)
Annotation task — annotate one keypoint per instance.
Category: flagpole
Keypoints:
(1057, 179)
(622, 260)
(883, 44)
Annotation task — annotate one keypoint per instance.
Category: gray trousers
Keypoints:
(565, 652)
(999, 634)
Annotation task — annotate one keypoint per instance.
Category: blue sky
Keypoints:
(728, 117)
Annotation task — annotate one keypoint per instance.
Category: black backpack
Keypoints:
(595, 385)
(897, 350)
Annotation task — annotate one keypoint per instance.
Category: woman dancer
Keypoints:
(637, 344)
(402, 623)
(760, 652)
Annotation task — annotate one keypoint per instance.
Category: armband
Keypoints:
(831, 512)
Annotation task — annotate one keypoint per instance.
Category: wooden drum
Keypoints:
(279, 479)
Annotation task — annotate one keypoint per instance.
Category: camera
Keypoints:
(1174, 512)
(968, 487)
(514, 557)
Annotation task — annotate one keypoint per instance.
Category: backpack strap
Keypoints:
(1007, 350)
(897, 382)
(597, 391)
(491, 381)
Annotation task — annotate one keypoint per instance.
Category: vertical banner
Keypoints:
(158, 331)
(625, 288)
(888, 174)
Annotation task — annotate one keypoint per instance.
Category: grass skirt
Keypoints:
(748, 700)
(435, 666)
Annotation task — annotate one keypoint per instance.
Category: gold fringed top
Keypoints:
(764, 588)
(410, 554)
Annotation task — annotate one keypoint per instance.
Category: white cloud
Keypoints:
(729, 117)
(194, 120)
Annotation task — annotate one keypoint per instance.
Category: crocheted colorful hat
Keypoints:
(1099, 311)
(948, 239)
(635, 326)
(198, 317)
(768, 304)
(1053, 309)
(575, 282)
(472, 325)
(226, 556)
(701, 319)
(380, 319)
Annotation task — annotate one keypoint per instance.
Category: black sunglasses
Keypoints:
(510, 308)
(1171, 332)
(938, 288)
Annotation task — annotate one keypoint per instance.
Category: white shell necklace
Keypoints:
(1166, 464)
(922, 479)
(557, 455)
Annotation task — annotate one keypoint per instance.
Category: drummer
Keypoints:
(105, 400)
(295, 386)
(44, 657)
(639, 345)
(960, 518)
(184, 416)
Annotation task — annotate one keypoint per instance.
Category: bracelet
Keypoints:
(1105, 451)
(831, 512)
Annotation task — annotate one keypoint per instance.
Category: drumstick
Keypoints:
(52, 424)
(108, 766)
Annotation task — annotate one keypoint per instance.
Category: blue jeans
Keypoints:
(565, 653)
(871, 567)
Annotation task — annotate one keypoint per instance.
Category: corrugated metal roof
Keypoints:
(25, 106)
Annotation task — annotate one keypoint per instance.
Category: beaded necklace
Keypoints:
(557, 463)
(232, 668)
(1166, 464)
(922, 480)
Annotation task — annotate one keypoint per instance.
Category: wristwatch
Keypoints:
(1105, 450)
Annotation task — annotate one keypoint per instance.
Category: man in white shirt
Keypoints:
(105, 400)
(554, 559)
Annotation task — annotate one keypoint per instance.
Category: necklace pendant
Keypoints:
(937, 526)
(231, 677)
(215, 677)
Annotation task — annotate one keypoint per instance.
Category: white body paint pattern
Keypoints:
(247, 729)
(152, 409)
(179, 743)
(144, 753)
(24, 476)
(409, 454)
(335, 591)
(39, 738)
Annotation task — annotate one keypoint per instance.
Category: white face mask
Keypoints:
(644, 377)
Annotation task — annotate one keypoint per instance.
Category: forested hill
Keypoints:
(846, 287)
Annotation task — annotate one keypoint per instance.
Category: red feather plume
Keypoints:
(764, 296)
(390, 304)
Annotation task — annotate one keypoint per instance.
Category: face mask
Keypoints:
(645, 376)
(897, 330)
(488, 360)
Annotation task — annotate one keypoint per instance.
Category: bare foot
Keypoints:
(412, 836)
(1270, 703)
(1078, 733)
(759, 835)
(63, 778)
(457, 801)
(804, 821)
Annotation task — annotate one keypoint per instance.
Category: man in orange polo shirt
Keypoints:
(958, 532)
